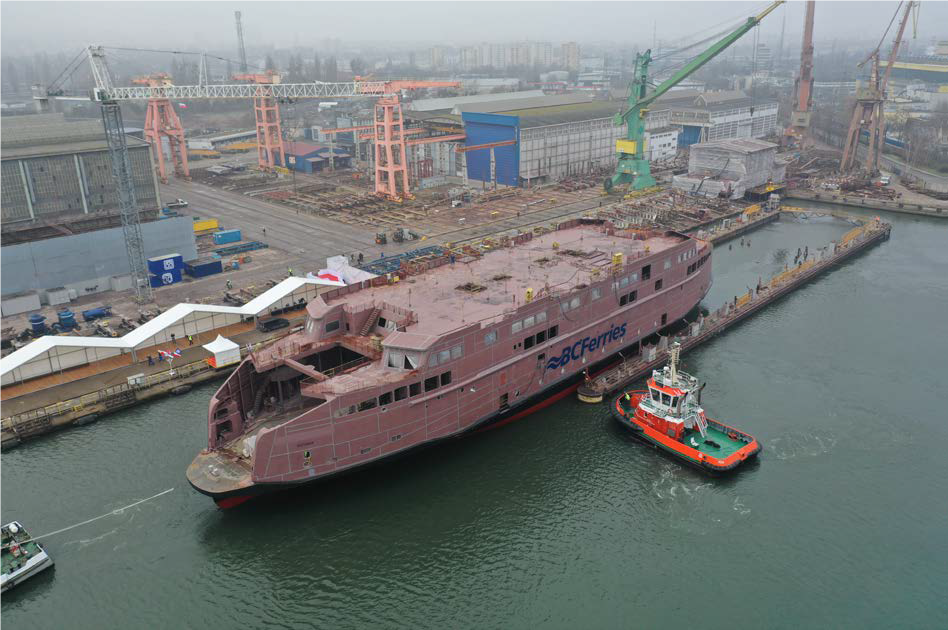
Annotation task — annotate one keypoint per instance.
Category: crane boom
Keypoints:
(803, 89)
(633, 166)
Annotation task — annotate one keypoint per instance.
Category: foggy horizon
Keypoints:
(53, 27)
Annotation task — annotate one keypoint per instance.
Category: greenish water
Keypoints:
(561, 519)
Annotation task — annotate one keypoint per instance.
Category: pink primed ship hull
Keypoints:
(315, 446)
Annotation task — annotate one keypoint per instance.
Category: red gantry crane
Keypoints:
(161, 124)
(869, 112)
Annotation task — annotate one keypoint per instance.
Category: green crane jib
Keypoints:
(633, 167)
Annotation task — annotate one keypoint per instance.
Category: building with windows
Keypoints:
(569, 55)
(53, 169)
(730, 168)
(705, 116)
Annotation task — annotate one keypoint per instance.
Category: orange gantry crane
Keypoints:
(270, 149)
(869, 111)
(162, 124)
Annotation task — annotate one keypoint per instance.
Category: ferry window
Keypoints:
(666, 399)
(541, 358)
(596, 293)
(658, 284)
(395, 358)
(633, 295)
(401, 393)
(541, 317)
(414, 389)
(310, 323)
(529, 321)
(490, 337)
(457, 351)
(367, 404)
(431, 383)
(634, 277)
(541, 336)
(444, 356)
(646, 272)
(624, 282)
(655, 396)
(564, 306)
(381, 322)
(623, 300)
(445, 379)
(574, 303)
(528, 342)
(385, 399)
(554, 331)
(517, 326)
(331, 326)
(664, 318)
(433, 360)
(668, 264)
(412, 360)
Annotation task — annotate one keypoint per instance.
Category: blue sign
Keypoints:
(578, 349)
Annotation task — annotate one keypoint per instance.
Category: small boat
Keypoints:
(22, 557)
(669, 416)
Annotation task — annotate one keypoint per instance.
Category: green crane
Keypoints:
(633, 166)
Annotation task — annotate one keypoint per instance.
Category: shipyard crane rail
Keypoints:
(633, 167)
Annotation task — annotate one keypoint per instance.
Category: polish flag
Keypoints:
(183, 105)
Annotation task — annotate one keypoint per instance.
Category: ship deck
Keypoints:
(726, 446)
(483, 289)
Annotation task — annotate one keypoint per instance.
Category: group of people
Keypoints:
(174, 340)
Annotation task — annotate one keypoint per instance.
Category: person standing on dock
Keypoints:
(190, 340)
(150, 360)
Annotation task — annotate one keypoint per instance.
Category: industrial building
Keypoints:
(729, 168)
(53, 169)
(305, 157)
(705, 116)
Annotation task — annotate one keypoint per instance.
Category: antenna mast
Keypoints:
(240, 44)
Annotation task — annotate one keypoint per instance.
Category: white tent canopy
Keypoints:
(225, 351)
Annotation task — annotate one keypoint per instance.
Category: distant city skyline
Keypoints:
(31, 27)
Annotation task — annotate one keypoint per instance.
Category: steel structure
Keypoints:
(241, 50)
(131, 221)
(270, 149)
(803, 88)
(869, 111)
(162, 124)
(633, 166)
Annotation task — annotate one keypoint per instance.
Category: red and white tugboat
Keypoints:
(669, 416)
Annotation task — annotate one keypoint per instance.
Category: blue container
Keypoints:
(160, 264)
(67, 319)
(95, 313)
(226, 236)
(38, 324)
(165, 278)
(203, 267)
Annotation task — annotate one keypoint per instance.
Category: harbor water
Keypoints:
(561, 519)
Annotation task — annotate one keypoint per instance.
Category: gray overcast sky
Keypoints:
(27, 27)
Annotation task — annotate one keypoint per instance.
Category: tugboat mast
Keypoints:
(673, 362)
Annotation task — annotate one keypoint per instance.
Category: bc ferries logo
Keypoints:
(578, 349)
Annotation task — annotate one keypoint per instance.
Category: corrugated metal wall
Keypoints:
(486, 128)
(86, 260)
(54, 187)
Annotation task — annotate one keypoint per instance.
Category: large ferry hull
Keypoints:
(540, 400)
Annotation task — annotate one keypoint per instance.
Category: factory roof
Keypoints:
(52, 134)
(449, 103)
(562, 114)
(738, 145)
(532, 102)
(709, 101)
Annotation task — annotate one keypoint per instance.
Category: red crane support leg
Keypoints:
(391, 160)
(270, 151)
(162, 122)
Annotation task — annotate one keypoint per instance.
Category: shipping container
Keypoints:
(203, 267)
(204, 225)
(167, 277)
(20, 303)
(57, 296)
(226, 236)
(168, 262)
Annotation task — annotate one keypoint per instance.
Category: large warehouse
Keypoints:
(559, 136)
(704, 116)
(54, 168)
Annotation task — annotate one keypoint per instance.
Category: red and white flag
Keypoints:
(183, 105)
(330, 276)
